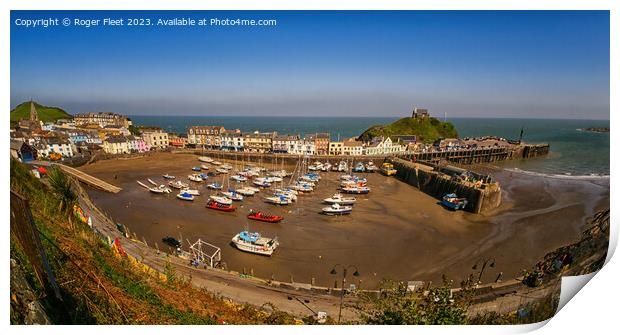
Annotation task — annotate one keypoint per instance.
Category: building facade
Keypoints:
(232, 140)
(205, 136)
(259, 142)
(321, 142)
(116, 145)
(352, 148)
(336, 148)
(156, 138)
(285, 144)
(383, 146)
(102, 119)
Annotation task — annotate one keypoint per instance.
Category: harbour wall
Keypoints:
(480, 198)
(483, 155)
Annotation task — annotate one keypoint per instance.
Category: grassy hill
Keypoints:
(46, 113)
(426, 129)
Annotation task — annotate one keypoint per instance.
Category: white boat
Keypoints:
(255, 243)
(205, 159)
(288, 195)
(185, 196)
(233, 195)
(167, 176)
(239, 178)
(227, 167)
(278, 200)
(204, 166)
(215, 186)
(245, 191)
(190, 191)
(339, 199)
(371, 167)
(280, 173)
(221, 170)
(336, 209)
(178, 184)
(221, 200)
(356, 189)
(326, 167)
(195, 177)
(261, 182)
(273, 179)
(216, 163)
(252, 188)
(342, 166)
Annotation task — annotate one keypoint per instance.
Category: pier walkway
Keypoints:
(82, 176)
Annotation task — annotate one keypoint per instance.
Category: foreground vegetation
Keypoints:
(98, 286)
(427, 129)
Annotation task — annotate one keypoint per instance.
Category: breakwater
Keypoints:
(482, 195)
(483, 155)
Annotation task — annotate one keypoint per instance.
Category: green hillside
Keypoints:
(426, 129)
(46, 113)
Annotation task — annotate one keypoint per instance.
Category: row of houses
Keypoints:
(219, 138)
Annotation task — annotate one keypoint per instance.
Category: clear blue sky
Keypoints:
(551, 64)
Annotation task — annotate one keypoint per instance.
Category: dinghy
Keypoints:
(260, 216)
(220, 207)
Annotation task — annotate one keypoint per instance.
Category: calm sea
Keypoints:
(573, 152)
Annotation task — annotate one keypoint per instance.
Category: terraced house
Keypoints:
(232, 140)
(259, 142)
(205, 136)
(321, 142)
(102, 119)
(155, 137)
(284, 144)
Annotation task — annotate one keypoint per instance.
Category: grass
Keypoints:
(100, 288)
(45, 113)
(427, 129)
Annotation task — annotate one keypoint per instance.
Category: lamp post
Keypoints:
(484, 262)
(344, 276)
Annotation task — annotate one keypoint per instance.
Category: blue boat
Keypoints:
(359, 167)
(215, 186)
(196, 168)
(453, 202)
(203, 176)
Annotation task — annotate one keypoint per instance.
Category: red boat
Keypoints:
(220, 207)
(260, 216)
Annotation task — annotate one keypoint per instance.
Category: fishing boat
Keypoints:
(167, 176)
(221, 200)
(194, 177)
(339, 199)
(204, 166)
(178, 184)
(233, 195)
(215, 186)
(185, 196)
(388, 169)
(260, 216)
(453, 202)
(245, 191)
(278, 200)
(359, 167)
(239, 178)
(255, 243)
(336, 209)
(191, 191)
(356, 189)
(205, 159)
(220, 207)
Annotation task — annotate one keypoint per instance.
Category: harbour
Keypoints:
(410, 223)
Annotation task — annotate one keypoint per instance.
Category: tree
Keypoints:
(62, 188)
(396, 305)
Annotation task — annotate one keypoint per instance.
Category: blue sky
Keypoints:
(545, 64)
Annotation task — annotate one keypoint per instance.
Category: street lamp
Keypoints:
(484, 265)
(344, 276)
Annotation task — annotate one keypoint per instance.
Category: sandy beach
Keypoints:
(394, 232)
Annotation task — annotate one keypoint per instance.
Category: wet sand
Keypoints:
(394, 232)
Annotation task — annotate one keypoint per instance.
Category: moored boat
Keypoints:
(239, 178)
(255, 243)
(233, 195)
(167, 176)
(339, 199)
(191, 191)
(260, 216)
(220, 207)
(278, 200)
(178, 184)
(356, 189)
(194, 177)
(221, 200)
(196, 168)
(453, 202)
(204, 167)
(215, 186)
(185, 196)
(245, 191)
(205, 159)
(336, 209)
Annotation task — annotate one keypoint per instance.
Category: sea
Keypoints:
(574, 152)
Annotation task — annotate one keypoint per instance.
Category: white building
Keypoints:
(155, 138)
(116, 145)
(383, 146)
(57, 145)
(304, 147)
(285, 143)
(352, 148)
(232, 140)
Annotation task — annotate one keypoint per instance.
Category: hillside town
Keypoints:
(114, 134)
(88, 134)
